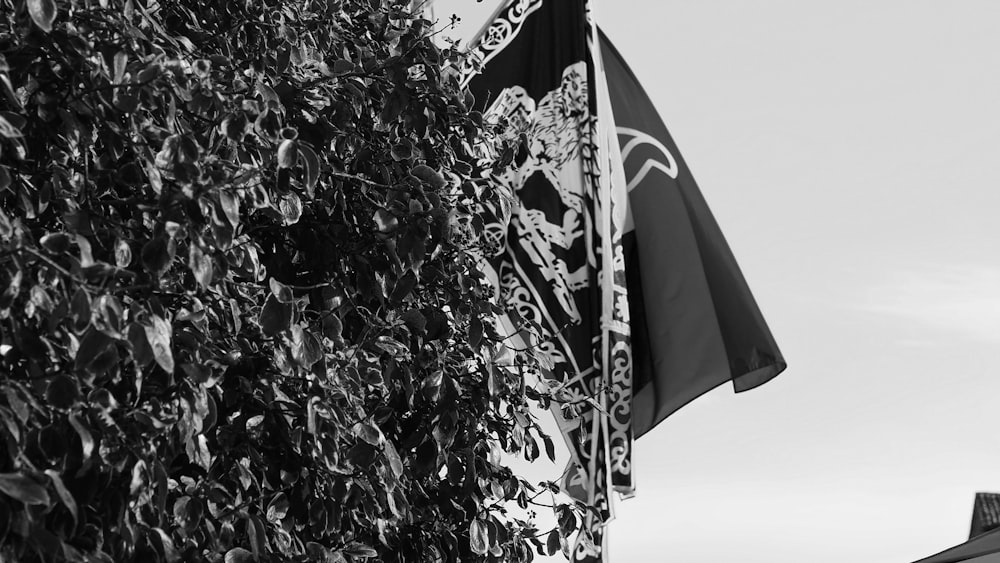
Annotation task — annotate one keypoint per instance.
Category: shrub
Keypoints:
(241, 315)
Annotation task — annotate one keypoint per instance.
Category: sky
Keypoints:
(849, 151)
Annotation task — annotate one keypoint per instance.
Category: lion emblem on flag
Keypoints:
(547, 228)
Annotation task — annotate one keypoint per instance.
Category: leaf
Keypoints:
(238, 555)
(188, 149)
(8, 90)
(120, 62)
(267, 125)
(126, 102)
(415, 320)
(426, 460)
(368, 433)
(258, 541)
(395, 102)
(202, 67)
(267, 93)
(197, 450)
(212, 417)
(92, 345)
(200, 265)
(315, 551)
(342, 66)
(433, 381)
(11, 125)
(43, 13)
(427, 174)
(550, 447)
(475, 332)
(23, 488)
(123, 253)
(64, 495)
(86, 439)
(385, 221)
(86, 251)
(155, 179)
(404, 286)
(275, 316)
(290, 207)
(333, 328)
(277, 509)
(530, 448)
(62, 391)
(158, 334)
(361, 454)
(392, 455)
(80, 310)
(288, 153)
(402, 150)
(310, 162)
(157, 254)
(417, 254)
(313, 406)
(188, 512)
(281, 292)
(552, 544)
(107, 316)
(15, 402)
(306, 349)
(170, 554)
(56, 243)
(139, 478)
(358, 549)
(5, 181)
(235, 127)
(392, 346)
(479, 541)
(141, 351)
(566, 519)
(254, 422)
(231, 207)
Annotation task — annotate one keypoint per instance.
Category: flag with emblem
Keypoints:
(559, 262)
(608, 262)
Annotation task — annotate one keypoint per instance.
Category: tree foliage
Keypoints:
(241, 316)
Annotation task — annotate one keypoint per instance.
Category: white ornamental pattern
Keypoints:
(498, 35)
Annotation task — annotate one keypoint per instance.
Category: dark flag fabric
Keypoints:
(606, 257)
(695, 324)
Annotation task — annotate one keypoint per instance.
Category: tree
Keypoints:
(241, 314)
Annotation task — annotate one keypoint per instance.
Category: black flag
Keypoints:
(695, 324)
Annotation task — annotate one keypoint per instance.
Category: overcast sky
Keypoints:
(849, 150)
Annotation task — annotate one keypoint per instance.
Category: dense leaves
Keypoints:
(240, 313)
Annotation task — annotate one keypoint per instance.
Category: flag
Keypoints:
(607, 257)
(560, 269)
(695, 324)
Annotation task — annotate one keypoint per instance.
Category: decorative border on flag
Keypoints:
(500, 33)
